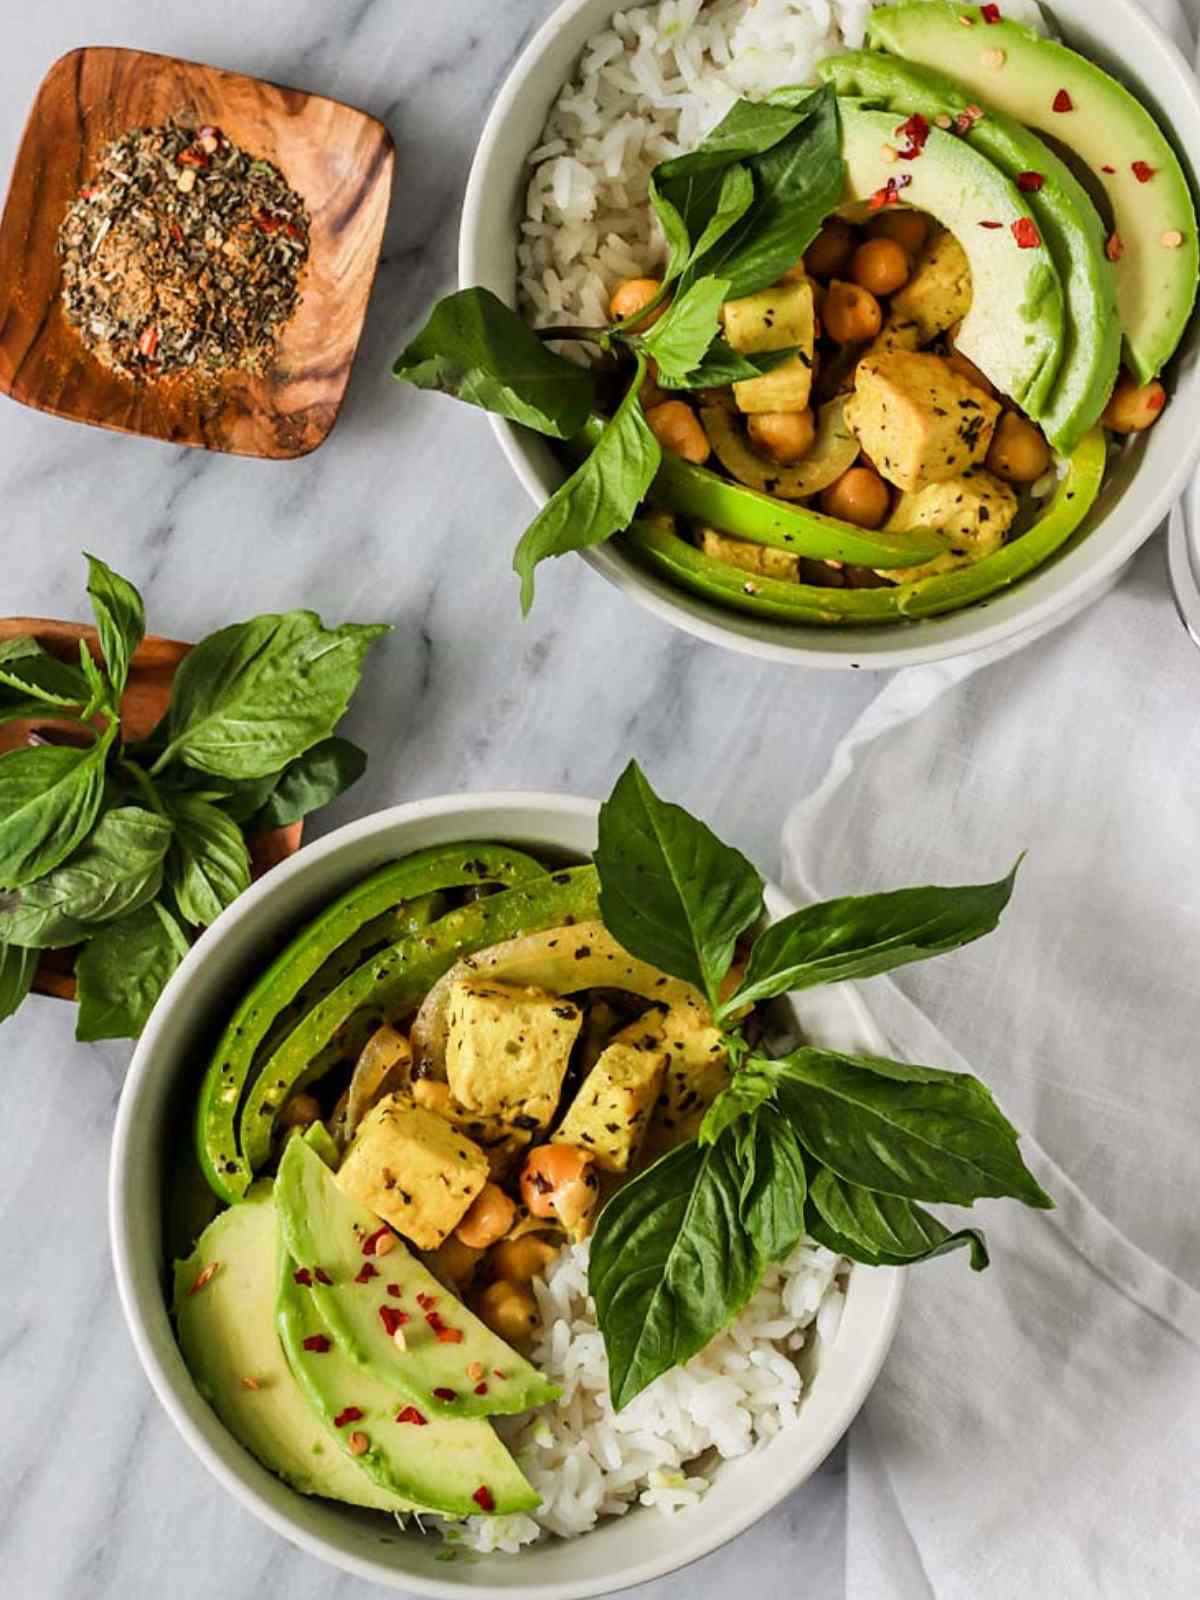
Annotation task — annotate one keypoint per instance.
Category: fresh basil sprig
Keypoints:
(122, 848)
(842, 1147)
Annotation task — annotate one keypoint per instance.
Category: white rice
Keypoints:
(588, 1462)
(648, 88)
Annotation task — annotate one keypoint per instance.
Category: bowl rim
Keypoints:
(702, 619)
(550, 808)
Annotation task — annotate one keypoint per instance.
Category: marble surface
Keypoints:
(407, 514)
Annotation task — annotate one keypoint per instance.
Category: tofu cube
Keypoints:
(974, 512)
(761, 559)
(611, 1113)
(697, 1071)
(414, 1170)
(936, 296)
(507, 1050)
(919, 420)
(777, 318)
(499, 1140)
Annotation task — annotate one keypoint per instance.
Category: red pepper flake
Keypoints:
(426, 1300)
(990, 13)
(1156, 399)
(434, 1319)
(303, 1277)
(481, 1388)
(392, 1319)
(148, 343)
(411, 1414)
(194, 157)
(1024, 231)
(445, 1394)
(1030, 182)
(1143, 171)
(350, 1414)
(266, 223)
(916, 131)
(176, 233)
(1062, 102)
(366, 1272)
(991, 224)
(317, 1342)
(450, 1335)
(1114, 248)
(483, 1498)
(394, 1290)
(370, 1245)
(889, 195)
(293, 232)
(496, 1373)
(322, 1276)
(204, 1277)
(88, 190)
(1108, 169)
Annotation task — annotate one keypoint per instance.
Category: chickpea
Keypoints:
(880, 265)
(908, 228)
(301, 1111)
(968, 370)
(453, 1263)
(830, 250)
(850, 313)
(433, 1095)
(1018, 453)
(520, 1260)
(509, 1310)
(859, 496)
(1134, 406)
(633, 295)
(678, 429)
(558, 1181)
(489, 1218)
(650, 394)
(785, 436)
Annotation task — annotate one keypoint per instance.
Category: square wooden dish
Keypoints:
(146, 696)
(338, 158)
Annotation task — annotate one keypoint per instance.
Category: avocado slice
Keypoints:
(1048, 87)
(319, 1138)
(834, 449)
(439, 1463)
(1014, 329)
(1066, 217)
(396, 981)
(325, 1227)
(228, 1337)
(664, 552)
(311, 951)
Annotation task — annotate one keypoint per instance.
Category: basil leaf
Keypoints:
(49, 799)
(120, 620)
(99, 692)
(880, 1229)
(123, 969)
(209, 865)
(17, 968)
(917, 1132)
(312, 781)
(241, 801)
(256, 695)
(679, 247)
(477, 349)
(600, 497)
(734, 199)
(671, 1264)
(670, 891)
(862, 935)
(748, 1089)
(721, 365)
(116, 869)
(28, 673)
(679, 340)
(774, 1184)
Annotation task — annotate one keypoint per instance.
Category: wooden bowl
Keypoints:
(338, 158)
(146, 694)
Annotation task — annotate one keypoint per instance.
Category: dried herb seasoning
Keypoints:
(182, 253)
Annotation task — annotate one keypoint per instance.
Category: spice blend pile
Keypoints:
(183, 253)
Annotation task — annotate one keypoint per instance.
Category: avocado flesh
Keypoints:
(227, 1334)
(438, 1466)
(1106, 127)
(688, 568)
(395, 981)
(1068, 221)
(834, 449)
(325, 1227)
(1014, 329)
(425, 872)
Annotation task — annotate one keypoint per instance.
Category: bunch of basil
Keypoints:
(120, 848)
(737, 213)
(842, 1148)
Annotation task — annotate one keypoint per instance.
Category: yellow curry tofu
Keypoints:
(414, 1170)
(778, 318)
(507, 1050)
(919, 420)
(697, 1071)
(936, 296)
(974, 512)
(761, 559)
(611, 1113)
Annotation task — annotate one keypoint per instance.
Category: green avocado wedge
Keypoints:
(312, 959)
(229, 1340)
(439, 1464)
(1046, 86)
(394, 982)
(661, 549)
(326, 1228)
(704, 496)
(1068, 221)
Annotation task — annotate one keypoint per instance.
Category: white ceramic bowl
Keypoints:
(1118, 35)
(159, 1091)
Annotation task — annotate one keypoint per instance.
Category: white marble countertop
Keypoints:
(407, 514)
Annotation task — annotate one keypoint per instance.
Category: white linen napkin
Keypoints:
(1036, 1430)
